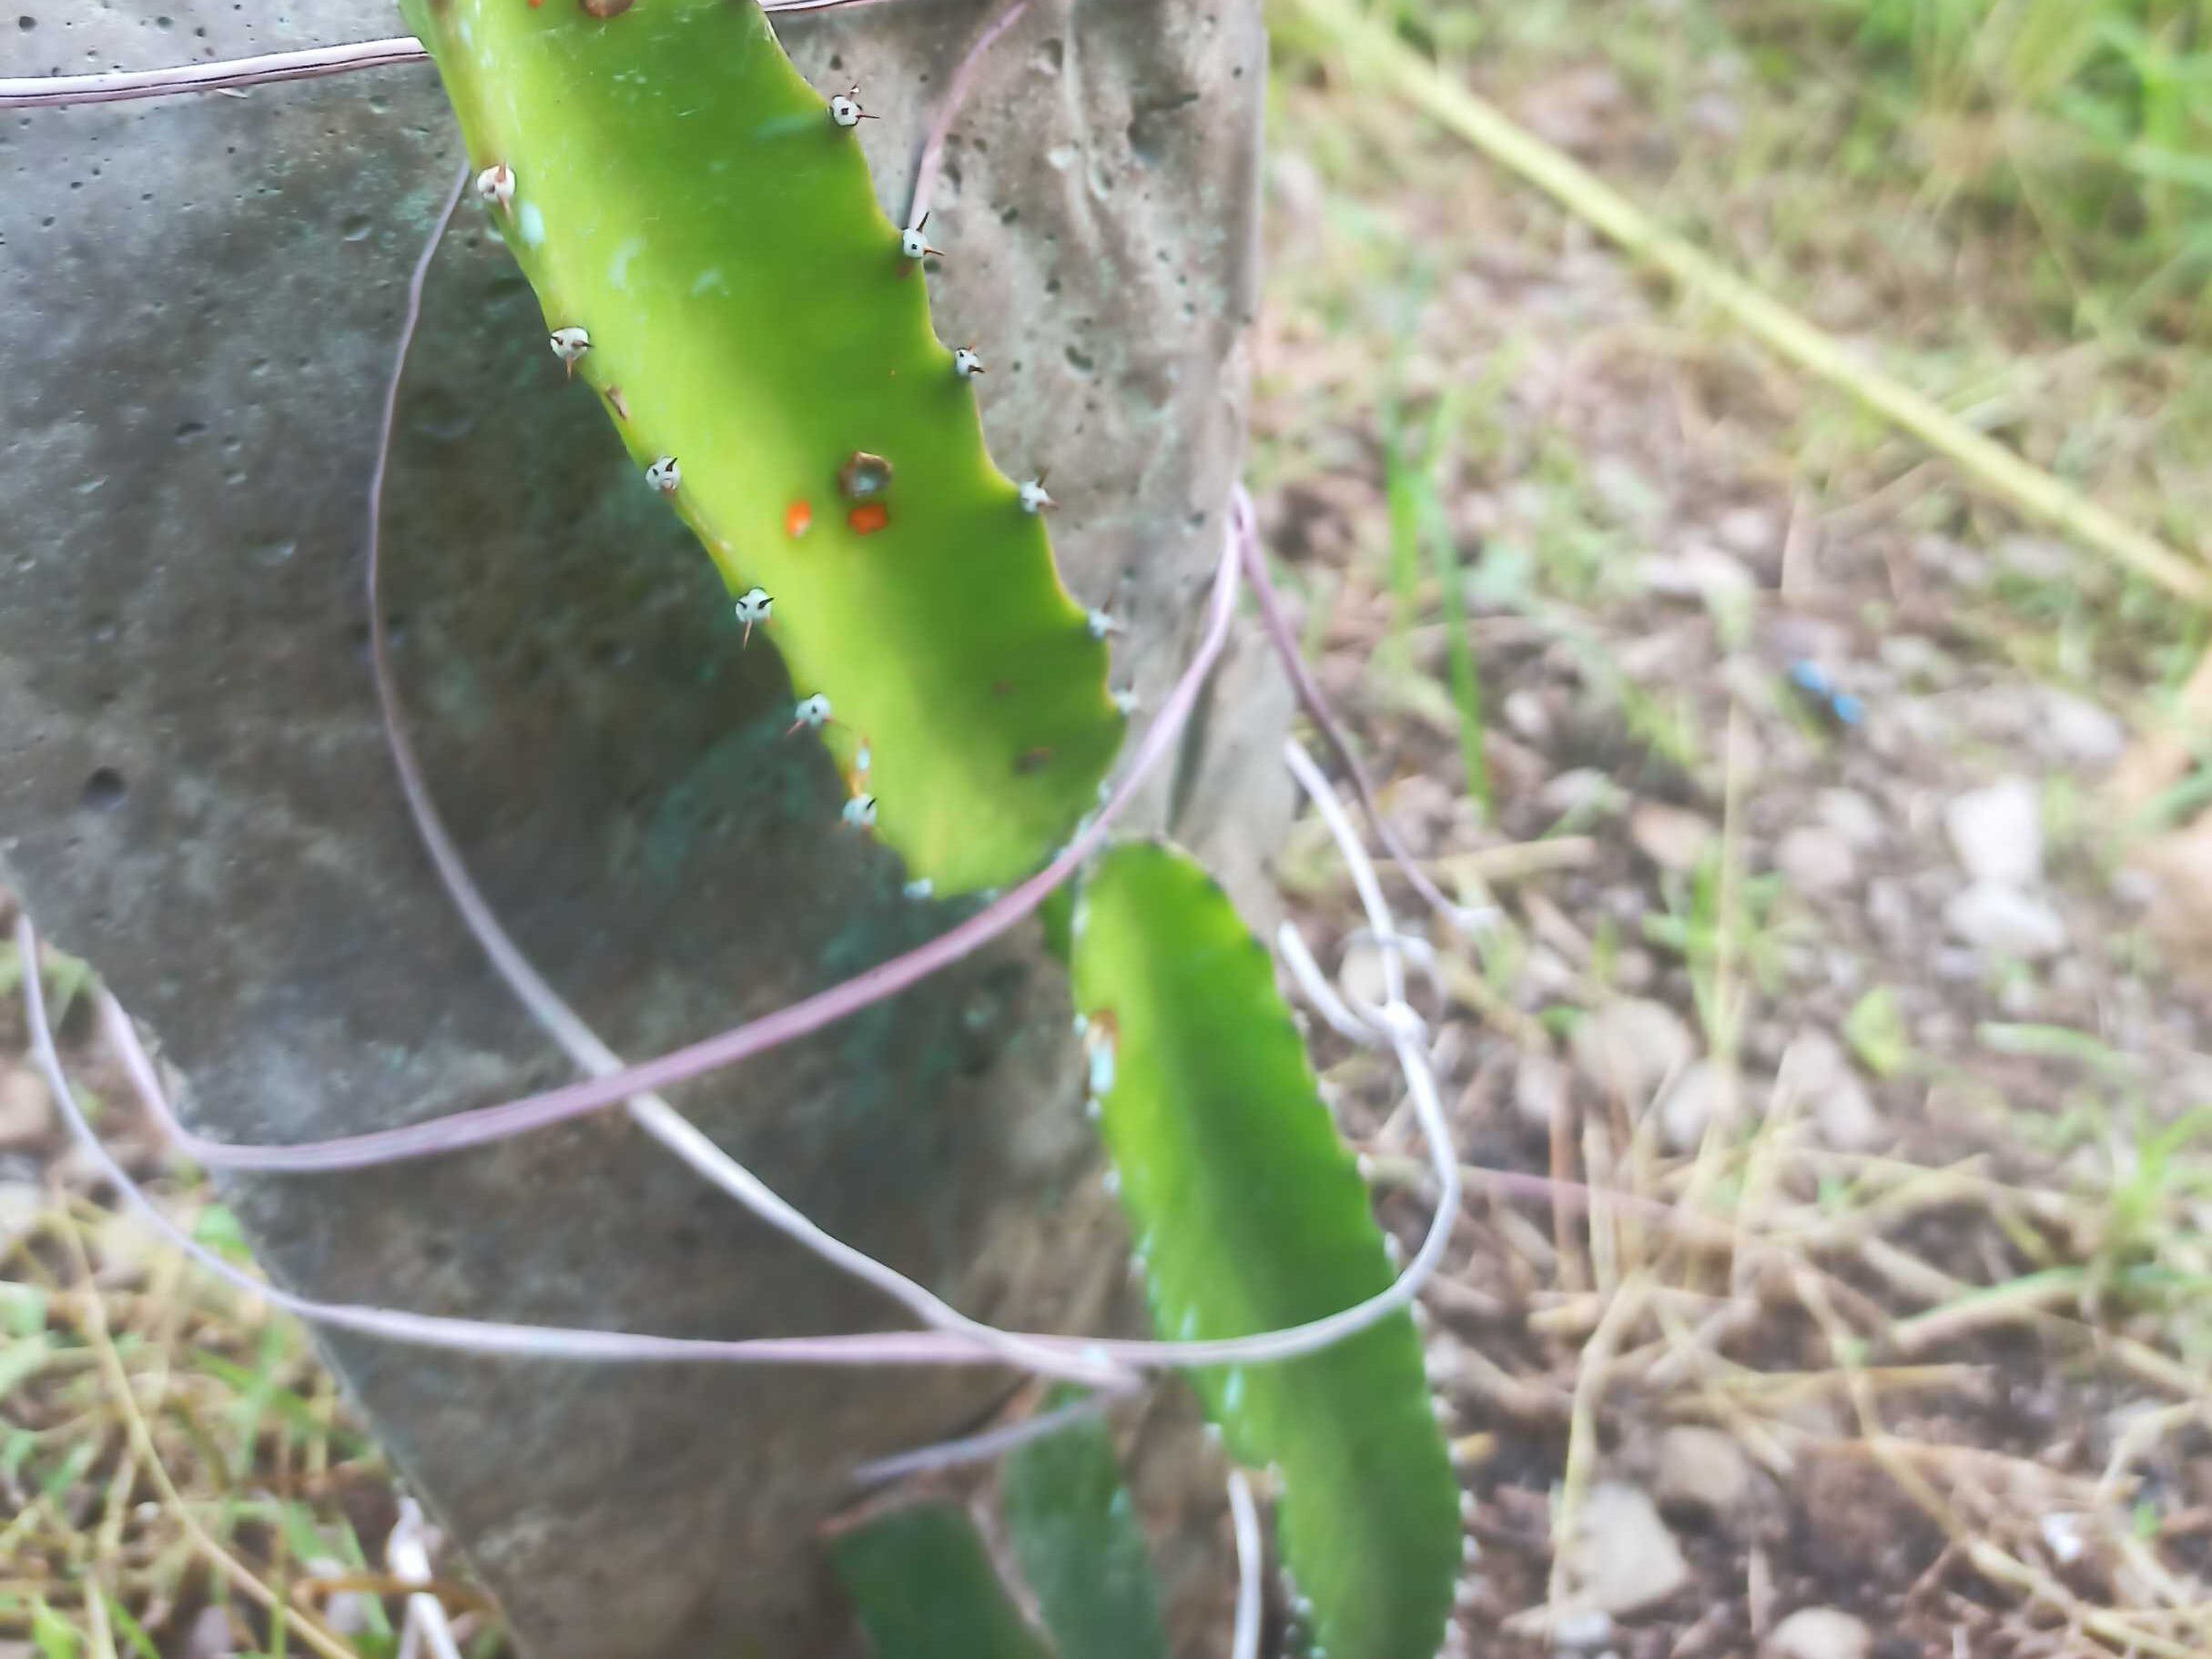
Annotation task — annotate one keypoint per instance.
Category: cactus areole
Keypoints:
(679, 196)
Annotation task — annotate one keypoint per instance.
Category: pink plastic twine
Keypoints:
(486, 1124)
(231, 74)
(971, 1339)
(956, 93)
(471, 1336)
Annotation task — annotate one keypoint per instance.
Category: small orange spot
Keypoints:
(1001, 688)
(867, 520)
(798, 519)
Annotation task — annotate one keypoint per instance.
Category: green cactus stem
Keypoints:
(1071, 1529)
(710, 257)
(1066, 1576)
(1250, 1216)
(924, 1587)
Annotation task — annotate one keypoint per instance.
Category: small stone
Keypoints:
(1999, 716)
(1297, 188)
(1821, 1076)
(1584, 789)
(1360, 977)
(1851, 815)
(1629, 1046)
(1527, 715)
(1816, 860)
(1621, 1558)
(26, 1110)
(1818, 1632)
(1750, 531)
(1916, 661)
(125, 1249)
(1689, 1107)
(349, 1613)
(1635, 969)
(1670, 837)
(21, 1203)
(1545, 974)
(1697, 571)
(1583, 1631)
(1660, 656)
(1625, 492)
(1912, 726)
(1539, 1090)
(2077, 730)
(1997, 832)
(1701, 1470)
(1845, 1117)
(2137, 889)
(1419, 808)
(209, 1636)
(1954, 965)
(2062, 1535)
(1938, 1030)
(1951, 559)
(1717, 116)
(1766, 1041)
(2036, 559)
(2002, 921)
(1893, 914)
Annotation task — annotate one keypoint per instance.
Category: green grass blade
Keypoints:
(679, 193)
(1251, 1217)
(51, 1635)
(1076, 1540)
(134, 1633)
(925, 1588)
(1451, 585)
(1402, 495)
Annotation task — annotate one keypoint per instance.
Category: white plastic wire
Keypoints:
(1245, 1516)
(266, 68)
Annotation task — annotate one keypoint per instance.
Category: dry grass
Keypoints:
(1968, 1361)
(178, 1470)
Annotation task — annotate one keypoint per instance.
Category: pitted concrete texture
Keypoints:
(198, 299)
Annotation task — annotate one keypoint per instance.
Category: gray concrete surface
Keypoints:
(196, 303)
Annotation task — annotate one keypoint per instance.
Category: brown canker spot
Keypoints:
(864, 477)
(1032, 760)
(603, 8)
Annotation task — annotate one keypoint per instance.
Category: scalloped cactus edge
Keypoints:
(701, 231)
(1250, 1216)
(924, 1586)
